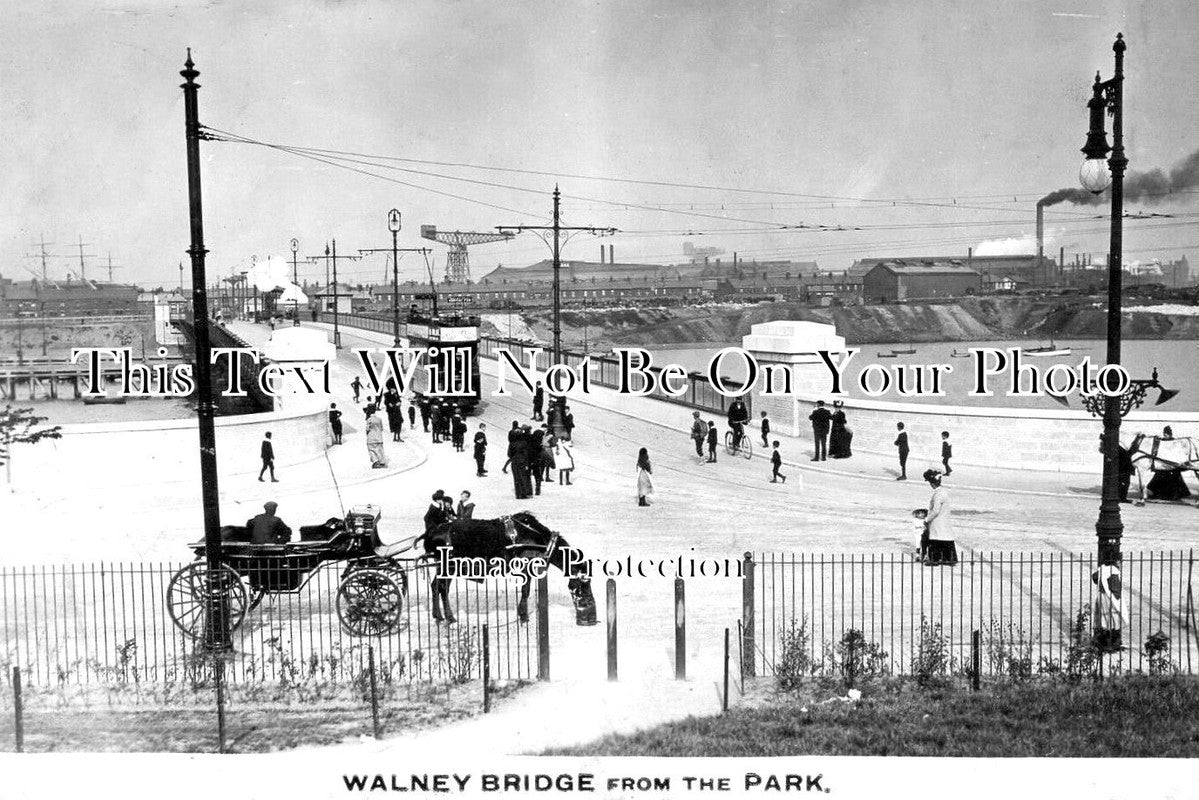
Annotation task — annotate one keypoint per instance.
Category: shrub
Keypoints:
(1082, 657)
(860, 659)
(1157, 647)
(795, 661)
(1009, 652)
(930, 664)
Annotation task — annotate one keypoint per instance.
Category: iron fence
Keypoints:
(1034, 612)
(110, 623)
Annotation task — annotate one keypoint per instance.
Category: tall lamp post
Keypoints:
(393, 225)
(1098, 171)
(295, 279)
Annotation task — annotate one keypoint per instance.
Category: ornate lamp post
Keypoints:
(393, 225)
(1098, 171)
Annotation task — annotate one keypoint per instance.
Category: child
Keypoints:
(920, 526)
(711, 442)
(946, 452)
(776, 460)
(565, 461)
(765, 426)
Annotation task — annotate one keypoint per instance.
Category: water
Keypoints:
(1176, 360)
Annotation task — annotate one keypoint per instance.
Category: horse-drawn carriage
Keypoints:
(370, 592)
(374, 583)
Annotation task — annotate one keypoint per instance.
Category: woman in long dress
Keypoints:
(937, 522)
(840, 437)
(645, 481)
(374, 438)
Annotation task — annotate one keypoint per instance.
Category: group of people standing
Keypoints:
(533, 455)
(833, 438)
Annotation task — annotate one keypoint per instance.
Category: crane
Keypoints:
(457, 265)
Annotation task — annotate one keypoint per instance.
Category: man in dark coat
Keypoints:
(538, 402)
(466, 509)
(822, 420)
(267, 452)
(480, 450)
(901, 443)
(423, 403)
(395, 413)
(435, 514)
(522, 483)
(266, 528)
(435, 420)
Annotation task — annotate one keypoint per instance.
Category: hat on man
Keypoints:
(270, 506)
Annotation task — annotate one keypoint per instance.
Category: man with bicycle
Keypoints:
(738, 417)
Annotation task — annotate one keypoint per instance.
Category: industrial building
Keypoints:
(898, 280)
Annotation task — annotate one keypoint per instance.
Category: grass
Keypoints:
(251, 727)
(1131, 717)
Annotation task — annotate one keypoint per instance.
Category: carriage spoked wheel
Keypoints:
(745, 447)
(369, 602)
(195, 592)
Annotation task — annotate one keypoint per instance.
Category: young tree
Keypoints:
(19, 426)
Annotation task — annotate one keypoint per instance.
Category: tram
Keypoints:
(453, 373)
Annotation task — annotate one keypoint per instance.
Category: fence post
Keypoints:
(976, 659)
(18, 709)
(611, 629)
(741, 657)
(370, 654)
(218, 667)
(486, 669)
(543, 628)
(748, 643)
(680, 631)
(725, 699)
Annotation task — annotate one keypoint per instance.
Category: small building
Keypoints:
(899, 280)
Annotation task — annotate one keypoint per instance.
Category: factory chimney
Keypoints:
(602, 254)
(1041, 239)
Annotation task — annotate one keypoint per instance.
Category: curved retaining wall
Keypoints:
(1055, 441)
(166, 451)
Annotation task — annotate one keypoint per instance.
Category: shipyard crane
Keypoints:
(457, 265)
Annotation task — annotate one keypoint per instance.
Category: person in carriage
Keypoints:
(266, 528)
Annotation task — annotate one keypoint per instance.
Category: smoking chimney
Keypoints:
(1040, 232)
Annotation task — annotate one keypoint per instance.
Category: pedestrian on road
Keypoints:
(565, 459)
(536, 451)
(374, 438)
(435, 421)
(901, 443)
(946, 452)
(481, 451)
(699, 432)
(568, 422)
(466, 509)
(538, 402)
(645, 480)
(267, 452)
(512, 434)
(776, 463)
(549, 444)
(335, 422)
(356, 385)
(521, 479)
(425, 411)
(840, 437)
(458, 432)
(412, 414)
(938, 521)
(395, 414)
(266, 528)
(764, 426)
(712, 439)
(821, 422)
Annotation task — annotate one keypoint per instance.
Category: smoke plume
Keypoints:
(1139, 187)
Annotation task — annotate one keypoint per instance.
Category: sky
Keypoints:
(930, 126)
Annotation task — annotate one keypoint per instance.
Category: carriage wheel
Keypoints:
(195, 591)
(369, 602)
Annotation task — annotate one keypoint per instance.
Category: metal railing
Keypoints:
(110, 623)
(1032, 610)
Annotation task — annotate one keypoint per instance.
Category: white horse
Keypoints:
(1158, 454)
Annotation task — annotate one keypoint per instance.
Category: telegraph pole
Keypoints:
(330, 257)
(393, 224)
(295, 279)
(557, 229)
(217, 637)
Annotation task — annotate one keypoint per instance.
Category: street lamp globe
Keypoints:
(393, 221)
(1095, 175)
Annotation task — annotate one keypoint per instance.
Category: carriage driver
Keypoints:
(266, 528)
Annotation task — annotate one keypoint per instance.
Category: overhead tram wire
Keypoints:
(893, 201)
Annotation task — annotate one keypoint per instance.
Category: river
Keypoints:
(1177, 361)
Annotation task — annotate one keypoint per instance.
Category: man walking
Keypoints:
(268, 458)
(356, 385)
(425, 410)
(374, 438)
(765, 428)
(901, 443)
(821, 421)
(699, 432)
(946, 452)
(335, 423)
(480, 451)
(776, 464)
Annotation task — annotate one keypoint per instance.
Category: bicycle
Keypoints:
(745, 447)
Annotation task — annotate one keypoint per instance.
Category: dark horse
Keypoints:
(480, 546)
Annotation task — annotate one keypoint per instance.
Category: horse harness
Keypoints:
(510, 532)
